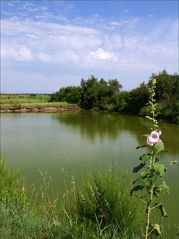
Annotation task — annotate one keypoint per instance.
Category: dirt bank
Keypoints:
(36, 109)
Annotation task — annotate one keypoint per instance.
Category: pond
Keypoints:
(77, 142)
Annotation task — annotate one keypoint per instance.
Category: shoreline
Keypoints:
(60, 108)
(40, 109)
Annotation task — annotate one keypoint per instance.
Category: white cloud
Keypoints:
(101, 54)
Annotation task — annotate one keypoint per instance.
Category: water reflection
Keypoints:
(94, 125)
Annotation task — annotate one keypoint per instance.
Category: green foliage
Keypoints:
(70, 94)
(99, 94)
(167, 95)
(166, 85)
(137, 99)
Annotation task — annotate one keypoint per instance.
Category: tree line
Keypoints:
(107, 95)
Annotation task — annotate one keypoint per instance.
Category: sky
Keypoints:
(48, 44)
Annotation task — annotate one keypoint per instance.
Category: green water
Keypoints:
(68, 144)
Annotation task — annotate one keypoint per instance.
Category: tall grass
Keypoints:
(19, 216)
(98, 208)
(30, 100)
(103, 202)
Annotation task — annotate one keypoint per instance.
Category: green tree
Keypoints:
(89, 92)
(167, 95)
(107, 95)
(70, 94)
(137, 98)
(99, 94)
(166, 85)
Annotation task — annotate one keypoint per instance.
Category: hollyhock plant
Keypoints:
(150, 182)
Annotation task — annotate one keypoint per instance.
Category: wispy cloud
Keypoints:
(56, 43)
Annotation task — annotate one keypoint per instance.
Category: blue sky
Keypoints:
(49, 44)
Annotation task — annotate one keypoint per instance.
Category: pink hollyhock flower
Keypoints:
(154, 138)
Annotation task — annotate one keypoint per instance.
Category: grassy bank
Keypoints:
(99, 208)
(32, 102)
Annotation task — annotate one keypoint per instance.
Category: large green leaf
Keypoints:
(159, 147)
(145, 157)
(143, 181)
(165, 187)
(136, 188)
(161, 187)
(159, 169)
(163, 211)
(139, 167)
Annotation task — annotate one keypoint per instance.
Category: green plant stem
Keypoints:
(158, 205)
(149, 212)
(152, 162)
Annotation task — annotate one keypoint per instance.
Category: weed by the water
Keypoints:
(103, 203)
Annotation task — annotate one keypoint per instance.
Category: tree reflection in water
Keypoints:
(93, 125)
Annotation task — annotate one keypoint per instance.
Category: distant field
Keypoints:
(31, 100)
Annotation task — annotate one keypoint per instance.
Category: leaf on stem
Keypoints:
(145, 135)
(143, 181)
(156, 191)
(159, 147)
(165, 187)
(159, 169)
(136, 188)
(139, 167)
(141, 146)
(163, 211)
(156, 229)
(145, 157)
